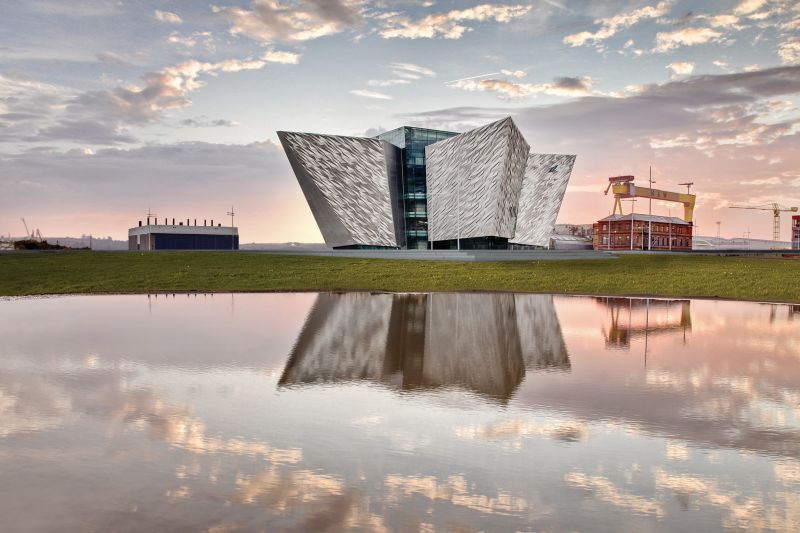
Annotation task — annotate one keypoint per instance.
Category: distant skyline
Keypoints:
(110, 108)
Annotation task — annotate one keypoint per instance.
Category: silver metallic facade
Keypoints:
(543, 188)
(474, 181)
(346, 182)
(484, 183)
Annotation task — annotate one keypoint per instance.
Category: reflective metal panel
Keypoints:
(474, 181)
(346, 183)
(546, 178)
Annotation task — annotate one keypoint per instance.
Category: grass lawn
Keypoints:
(656, 275)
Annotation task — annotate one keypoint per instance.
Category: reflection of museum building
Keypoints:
(480, 342)
(419, 188)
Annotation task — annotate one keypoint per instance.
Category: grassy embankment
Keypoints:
(658, 275)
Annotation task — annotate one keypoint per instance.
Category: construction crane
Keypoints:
(623, 187)
(776, 209)
(28, 234)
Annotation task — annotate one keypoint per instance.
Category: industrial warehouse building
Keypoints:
(178, 236)
(417, 188)
(642, 232)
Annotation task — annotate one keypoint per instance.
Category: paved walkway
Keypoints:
(452, 255)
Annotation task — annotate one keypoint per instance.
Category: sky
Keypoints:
(109, 109)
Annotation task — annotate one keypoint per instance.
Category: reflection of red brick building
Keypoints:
(649, 232)
(796, 232)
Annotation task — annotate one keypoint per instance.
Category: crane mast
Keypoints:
(776, 209)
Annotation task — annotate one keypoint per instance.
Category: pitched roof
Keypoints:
(646, 218)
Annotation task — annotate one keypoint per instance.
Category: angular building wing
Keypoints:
(474, 182)
(543, 188)
(346, 181)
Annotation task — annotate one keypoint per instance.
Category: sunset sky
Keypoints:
(110, 108)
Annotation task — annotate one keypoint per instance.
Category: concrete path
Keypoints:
(451, 255)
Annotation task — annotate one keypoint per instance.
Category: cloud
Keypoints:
(680, 68)
(279, 56)
(612, 25)
(746, 7)
(514, 73)
(370, 94)
(167, 88)
(114, 59)
(564, 86)
(204, 122)
(774, 180)
(168, 17)
(102, 116)
(705, 113)
(724, 21)
(789, 51)
(666, 41)
(206, 38)
(269, 20)
(387, 83)
(411, 71)
(449, 25)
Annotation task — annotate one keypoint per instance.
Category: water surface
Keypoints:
(415, 412)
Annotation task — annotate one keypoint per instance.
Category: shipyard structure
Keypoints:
(180, 236)
(418, 188)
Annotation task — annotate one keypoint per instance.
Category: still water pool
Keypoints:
(407, 412)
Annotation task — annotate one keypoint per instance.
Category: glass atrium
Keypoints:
(411, 172)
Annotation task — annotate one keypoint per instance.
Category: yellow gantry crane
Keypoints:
(776, 209)
(623, 187)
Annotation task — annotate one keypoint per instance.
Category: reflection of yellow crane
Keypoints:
(623, 187)
(776, 215)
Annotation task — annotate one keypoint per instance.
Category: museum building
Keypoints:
(419, 188)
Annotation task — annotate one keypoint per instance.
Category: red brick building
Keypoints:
(642, 232)
(796, 232)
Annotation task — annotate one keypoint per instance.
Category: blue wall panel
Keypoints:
(172, 241)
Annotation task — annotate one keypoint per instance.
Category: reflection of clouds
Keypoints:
(744, 512)
(324, 501)
(280, 489)
(181, 493)
(788, 472)
(25, 408)
(515, 430)
(604, 490)
(677, 451)
(30, 402)
(455, 490)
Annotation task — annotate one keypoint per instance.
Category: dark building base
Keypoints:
(363, 247)
(475, 243)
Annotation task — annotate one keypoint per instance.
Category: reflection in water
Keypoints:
(166, 414)
(644, 317)
(480, 342)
